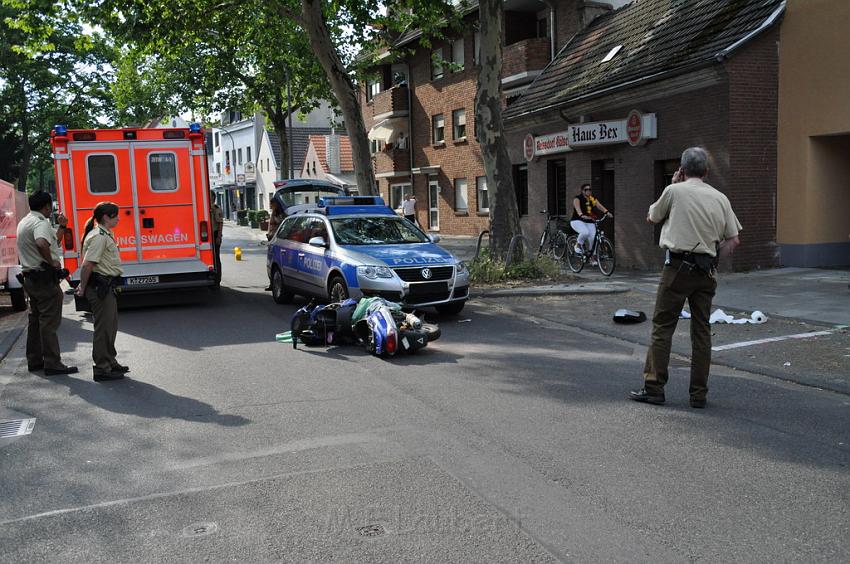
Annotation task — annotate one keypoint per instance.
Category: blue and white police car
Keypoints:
(358, 246)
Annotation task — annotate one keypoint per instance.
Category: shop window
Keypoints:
(459, 124)
(483, 195)
(557, 202)
(664, 171)
(461, 195)
(521, 188)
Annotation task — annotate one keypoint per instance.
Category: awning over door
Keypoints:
(388, 130)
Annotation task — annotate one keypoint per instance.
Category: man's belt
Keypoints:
(687, 256)
(695, 261)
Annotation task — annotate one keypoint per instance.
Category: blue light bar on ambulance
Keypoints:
(61, 130)
(194, 127)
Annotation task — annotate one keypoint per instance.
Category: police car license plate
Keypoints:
(138, 280)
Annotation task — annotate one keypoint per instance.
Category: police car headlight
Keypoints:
(373, 272)
(462, 268)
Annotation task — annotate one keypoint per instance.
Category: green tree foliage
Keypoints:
(52, 70)
(206, 56)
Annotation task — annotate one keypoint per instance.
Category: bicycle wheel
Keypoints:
(559, 245)
(605, 256)
(574, 260)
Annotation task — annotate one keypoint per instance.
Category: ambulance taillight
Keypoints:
(68, 239)
(205, 231)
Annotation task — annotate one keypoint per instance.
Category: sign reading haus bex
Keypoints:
(635, 129)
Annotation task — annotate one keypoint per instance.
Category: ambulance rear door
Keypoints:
(101, 171)
(166, 226)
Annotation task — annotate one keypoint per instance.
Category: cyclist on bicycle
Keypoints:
(583, 218)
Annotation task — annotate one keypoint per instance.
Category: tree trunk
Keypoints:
(504, 215)
(344, 90)
(278, 119)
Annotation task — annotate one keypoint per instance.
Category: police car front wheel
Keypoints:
(337, 290)
(280, 293)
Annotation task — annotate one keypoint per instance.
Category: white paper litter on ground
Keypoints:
(720, 316)
(685, 315)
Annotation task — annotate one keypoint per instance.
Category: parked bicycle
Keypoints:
(553, 240)
(602, 251)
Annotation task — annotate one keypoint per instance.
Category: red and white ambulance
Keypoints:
(159, 180)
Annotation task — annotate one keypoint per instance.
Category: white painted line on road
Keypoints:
(770, 340)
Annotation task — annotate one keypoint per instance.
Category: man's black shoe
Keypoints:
(60, 371)
(120, 368)
(34, 367)
(697, 403)
(107, 376)
(643, 396)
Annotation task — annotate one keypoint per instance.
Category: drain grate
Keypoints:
(371, 530)
(16, 427)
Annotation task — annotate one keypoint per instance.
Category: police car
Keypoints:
(358, 246)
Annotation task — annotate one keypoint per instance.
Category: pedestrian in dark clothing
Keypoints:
(697, 221)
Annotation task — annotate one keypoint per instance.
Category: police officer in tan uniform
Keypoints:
(99, 275)
(697, 221)
(217, 216)
(38, 250)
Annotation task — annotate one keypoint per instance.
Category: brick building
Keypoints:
(632, 90)
(421, 116)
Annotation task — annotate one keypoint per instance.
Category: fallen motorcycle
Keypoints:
(379, 325)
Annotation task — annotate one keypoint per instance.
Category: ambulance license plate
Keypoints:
(138, 280)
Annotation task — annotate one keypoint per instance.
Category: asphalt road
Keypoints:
(508, 440)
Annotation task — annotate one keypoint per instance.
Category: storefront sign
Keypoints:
(635, 129)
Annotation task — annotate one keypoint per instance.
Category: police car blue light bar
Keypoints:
(351, 201)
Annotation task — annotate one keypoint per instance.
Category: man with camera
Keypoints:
(698, 224)
(38, 250)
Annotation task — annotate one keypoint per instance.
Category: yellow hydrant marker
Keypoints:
(237, 252)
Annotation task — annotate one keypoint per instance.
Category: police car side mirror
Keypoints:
(318, 242)
(434, 238)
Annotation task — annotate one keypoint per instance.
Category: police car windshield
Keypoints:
(385, 230)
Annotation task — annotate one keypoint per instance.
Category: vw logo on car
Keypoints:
(426, 273)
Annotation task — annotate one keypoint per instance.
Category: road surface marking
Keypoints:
(770, 340)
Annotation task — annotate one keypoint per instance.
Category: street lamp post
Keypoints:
(232, 153)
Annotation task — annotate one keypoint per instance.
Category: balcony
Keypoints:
(390, 103)
(391, 162)
(522, 61)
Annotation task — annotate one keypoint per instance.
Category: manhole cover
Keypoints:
(199, 530)
(371, 530)
(16, 427)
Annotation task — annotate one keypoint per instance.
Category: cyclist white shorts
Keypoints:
(585, 230)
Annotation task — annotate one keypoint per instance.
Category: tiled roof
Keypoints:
(346, 161)
(300, 140)
(658, 37)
